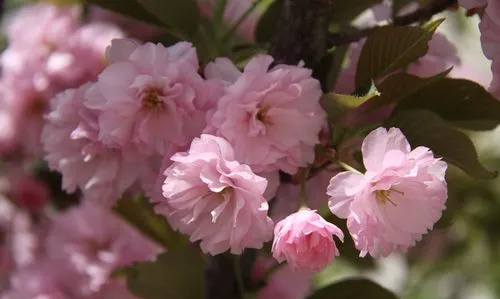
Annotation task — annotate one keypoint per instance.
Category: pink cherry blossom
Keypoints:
(29, 193)
(398, 199)
(150, 96)
(94, 242)
(304, 239)
(72, 147)
(22, 237)
(493, 11)
(40, 48)
(84, 54)
(42, 60)
(23, 108)
(215, 199)
(272, 118)
(53, 23)
(490, 37)
(490, 42)
(39, 280)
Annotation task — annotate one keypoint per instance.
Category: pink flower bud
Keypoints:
(304, 240)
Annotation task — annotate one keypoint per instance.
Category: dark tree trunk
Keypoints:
(302, 31)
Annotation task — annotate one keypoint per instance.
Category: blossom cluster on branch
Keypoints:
(233, 154)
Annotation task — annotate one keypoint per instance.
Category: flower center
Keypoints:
(226, 191)
(37, 107)
(262, 115)
(384, 196)
(151, 100)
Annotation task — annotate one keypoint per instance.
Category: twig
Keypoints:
(423, 14)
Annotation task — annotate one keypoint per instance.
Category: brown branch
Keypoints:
(423, 14)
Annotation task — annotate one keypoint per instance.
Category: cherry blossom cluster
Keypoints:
(490, 39)
(208, 145)
(208, 149)
(60, 52)
(73, 256)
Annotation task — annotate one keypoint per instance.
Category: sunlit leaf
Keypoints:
(391, 48)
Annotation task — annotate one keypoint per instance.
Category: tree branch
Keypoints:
(423, 14)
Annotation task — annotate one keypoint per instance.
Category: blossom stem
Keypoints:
(272, 270)
(348, 167)
(303, 191)
(239, 277)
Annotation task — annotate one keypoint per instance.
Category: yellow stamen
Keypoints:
(384, 196)
(152, 100)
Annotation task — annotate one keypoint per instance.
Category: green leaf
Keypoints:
(345, 11)
(352, 101)
(391, 48)
(268, 21)
(129, 8)
(139, 212)
(354, 288)
(402, 85)
(182, 16)
(425, 128)
(177, 274)
(334, 109)
(464, 102)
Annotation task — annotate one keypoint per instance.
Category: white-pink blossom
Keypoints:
(305, 240)
(214, 199)
(399, 198)
(272, 117)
